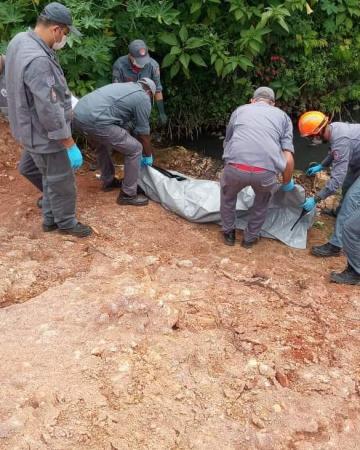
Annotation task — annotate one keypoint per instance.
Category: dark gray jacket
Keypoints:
(39, 101)
(122, 72)
(344, 155)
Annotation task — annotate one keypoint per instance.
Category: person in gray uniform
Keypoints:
(39, 108)
(27, 167)
(258, 146)
(344, 157)
(136, 65)
(103, 115)
(351, 247)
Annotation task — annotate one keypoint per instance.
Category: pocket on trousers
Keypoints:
(268, 181)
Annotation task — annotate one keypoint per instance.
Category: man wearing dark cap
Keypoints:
(39, 107)
(136, 65)
(258, 146)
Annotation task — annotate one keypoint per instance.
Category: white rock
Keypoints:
(184, 263)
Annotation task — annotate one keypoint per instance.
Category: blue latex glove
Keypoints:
(314, 169)
(288, 186)
(75, 156)
(147, 160)
(309, 204)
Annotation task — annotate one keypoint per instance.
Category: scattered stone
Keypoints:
(277, 408)
(184, 263)
(224, 261)
(252, 364)
(282, 379)
(11, 178)
(257, 421)
(151, 260)
(266, 370)
(97, 351)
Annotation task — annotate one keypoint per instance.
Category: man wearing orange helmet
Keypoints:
(344, 158)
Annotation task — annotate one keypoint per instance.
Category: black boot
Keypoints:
(326, 250)
(249, 244)
(136, 200)
(115, 183)
(48, 228)
(348, 276)
(79, 230)
(229, 238)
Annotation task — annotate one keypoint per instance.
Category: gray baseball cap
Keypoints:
(264, 92)
(59, 13)
(149, 83)
(139, 50)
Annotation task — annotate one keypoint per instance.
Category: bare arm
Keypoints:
(146, 143)
(290, 164)
(159, 96)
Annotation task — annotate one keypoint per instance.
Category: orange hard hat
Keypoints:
(311, 122)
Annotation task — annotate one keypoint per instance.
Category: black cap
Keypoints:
(56, 12)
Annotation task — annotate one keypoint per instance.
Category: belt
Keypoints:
(247, 168)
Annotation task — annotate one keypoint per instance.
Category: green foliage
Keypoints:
(214, 52)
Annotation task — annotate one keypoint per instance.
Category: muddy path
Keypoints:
(154, 335)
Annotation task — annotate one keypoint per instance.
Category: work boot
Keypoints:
(115, 183)
(348, 276)
(79, 230)
(39, 202)
(250, 243)
(229, 238)
(136, 200)
(48, 228)
(326, 250)
(329, 212)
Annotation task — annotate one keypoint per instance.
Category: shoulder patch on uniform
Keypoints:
(53, 95)
(3, 92)
(50, 80)
(335, 155)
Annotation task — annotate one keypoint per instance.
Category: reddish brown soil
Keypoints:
(154, 335)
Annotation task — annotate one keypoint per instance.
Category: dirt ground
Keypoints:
(154, 335)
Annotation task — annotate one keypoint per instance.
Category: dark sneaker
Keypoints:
(79, 230)
(229, 238)
(249, 244)
(348, 276)
(326, 250)
(114, 184)
(48, 228)
(329, 212)
(136, 200)
(39, 202)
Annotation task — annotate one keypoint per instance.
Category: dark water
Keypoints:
(212, 145)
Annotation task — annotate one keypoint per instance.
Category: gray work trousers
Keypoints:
(351, 239)
(59, 188)
(28, 169)
(350, 203)
(106, 138)
(232, 182)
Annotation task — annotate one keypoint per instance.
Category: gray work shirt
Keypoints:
(116, 104)
(123, 72)
(344, 155)
(39, 101)
(256, 135)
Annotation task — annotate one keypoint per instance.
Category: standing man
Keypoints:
(3, 93)
(258, 145)
(103, 116)
(344, 157)
(39, 106)
(136, 65)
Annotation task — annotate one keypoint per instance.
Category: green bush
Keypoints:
(213, 52)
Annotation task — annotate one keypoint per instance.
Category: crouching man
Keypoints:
(103, 116)
(258, 145)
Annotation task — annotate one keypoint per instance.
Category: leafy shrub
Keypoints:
(213, 52)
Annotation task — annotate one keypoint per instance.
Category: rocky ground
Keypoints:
(154, 335)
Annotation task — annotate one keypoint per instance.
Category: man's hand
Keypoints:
(287, 187)
(147, 160)
(314, 169)
(309, 204)
(75, 156)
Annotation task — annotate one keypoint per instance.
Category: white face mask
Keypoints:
(61, 44)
